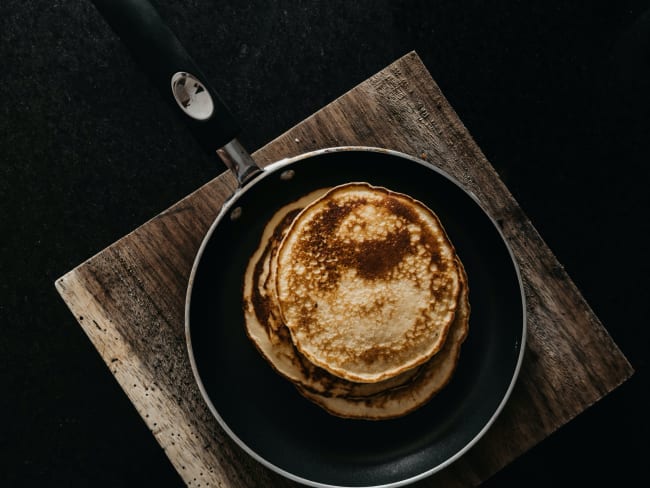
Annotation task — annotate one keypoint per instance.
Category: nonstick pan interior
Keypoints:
(268, 417)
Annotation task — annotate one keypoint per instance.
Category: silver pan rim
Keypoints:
(229, 205)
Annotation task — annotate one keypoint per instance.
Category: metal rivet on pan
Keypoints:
(236, 213)
(287, 175)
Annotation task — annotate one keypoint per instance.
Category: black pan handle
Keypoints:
(178, 78)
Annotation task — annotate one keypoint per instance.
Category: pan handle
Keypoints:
(180, 81)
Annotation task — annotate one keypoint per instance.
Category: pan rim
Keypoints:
(273, 168)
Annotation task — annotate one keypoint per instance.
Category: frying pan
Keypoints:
(263, 412)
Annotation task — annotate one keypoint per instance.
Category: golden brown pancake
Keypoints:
(430, 379)
(367, 283)
(265, 328)
(383, 399)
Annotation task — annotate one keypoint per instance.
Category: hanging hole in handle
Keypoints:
(192, 96)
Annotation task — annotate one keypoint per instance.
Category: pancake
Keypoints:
(367, 283)
(430, 379)
(264, 324)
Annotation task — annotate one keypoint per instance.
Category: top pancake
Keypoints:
(366, 282)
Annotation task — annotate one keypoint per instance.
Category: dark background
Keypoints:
(556, 93)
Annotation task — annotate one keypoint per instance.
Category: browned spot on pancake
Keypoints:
(372, 354)
(373, 259)
(399, 208)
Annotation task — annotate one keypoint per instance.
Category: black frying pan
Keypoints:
(263, 412)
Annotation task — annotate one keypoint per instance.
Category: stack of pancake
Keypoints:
(356, 295)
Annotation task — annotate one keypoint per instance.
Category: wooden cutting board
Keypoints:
(129, 298)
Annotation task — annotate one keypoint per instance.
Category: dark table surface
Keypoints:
(556, 93)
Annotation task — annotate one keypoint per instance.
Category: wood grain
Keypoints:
(129, 298)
